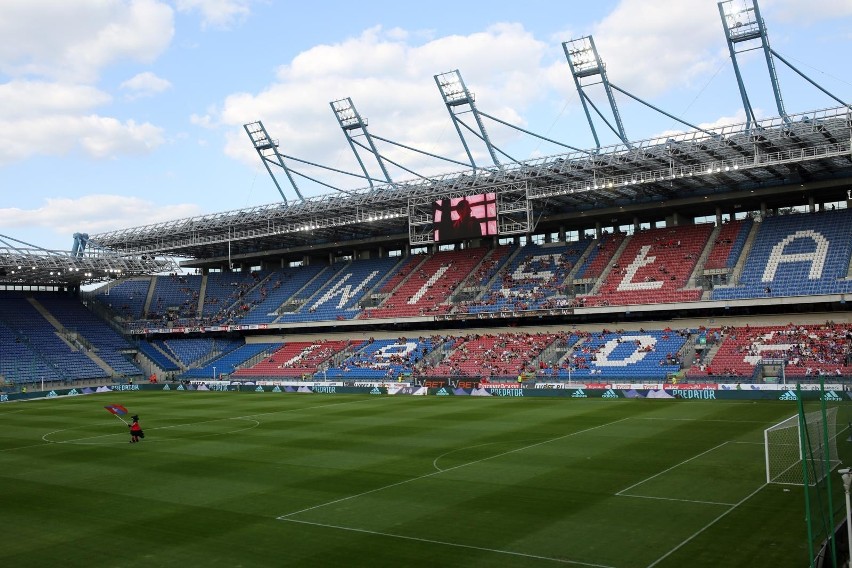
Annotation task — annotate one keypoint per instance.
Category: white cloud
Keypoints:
(145, 85)
(217, 13)
(54, 51)
(810, 12)
(20, 99)
(202, 120)
(95, 213)
(649, 47)
(61, 134)
(716, 125)
(74, 41)
(391, 84)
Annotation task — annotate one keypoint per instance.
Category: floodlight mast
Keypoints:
(353, 125)
(459, 100)
(746, 25)
(267, 149)
(584, 61)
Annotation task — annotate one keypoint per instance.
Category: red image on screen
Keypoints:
(465, 217)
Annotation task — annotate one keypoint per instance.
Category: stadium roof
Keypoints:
(777, 153)
(33, 266)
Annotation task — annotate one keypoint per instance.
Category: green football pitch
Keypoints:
(269, 479)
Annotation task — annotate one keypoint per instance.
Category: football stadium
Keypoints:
(633, 355)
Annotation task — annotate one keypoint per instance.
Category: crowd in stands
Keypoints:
(788, 255)
(806, 350)
(719, 354)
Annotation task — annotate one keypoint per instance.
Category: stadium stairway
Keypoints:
(304, 293)
(570, 349)
(738, 268)
(488, 268)
(64, 333)
(395, 282)
(602, 277)
(149, 296)
(702, 259)
(202, 291)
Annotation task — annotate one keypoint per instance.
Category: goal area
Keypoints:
(801, 448)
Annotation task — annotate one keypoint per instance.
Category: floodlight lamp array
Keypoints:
(582, 56)
(452, 87)
(383, 215)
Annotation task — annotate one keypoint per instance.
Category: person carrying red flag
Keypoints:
(136, 432)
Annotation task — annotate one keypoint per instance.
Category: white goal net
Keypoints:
(783, 446)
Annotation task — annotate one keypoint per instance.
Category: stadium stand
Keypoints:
(31, 328)
(125, 298)
(175, 297)
(492, 355)
(807, 350)
(728, 246)
(339, 297)
(230, 359)
(427, 289)
(297, 359)
(600, 256)
(101, 339)
(654, 267)
(225, 290)
(383, 359)
(535, 278)
(645, 355)
(794, 255)
(22, 364)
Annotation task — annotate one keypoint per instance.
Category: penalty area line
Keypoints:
(705, 527)
(444, 543)
(671, 468)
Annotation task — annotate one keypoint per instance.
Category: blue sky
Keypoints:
(119, 113)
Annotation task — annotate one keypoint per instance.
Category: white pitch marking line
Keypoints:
(435, 461)
(705, 527)
(699, 420)
(431, 474)
(671, 468)
(673, 499)
(444, 543)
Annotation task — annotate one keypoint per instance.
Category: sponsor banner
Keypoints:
(811, 387)
(712, 386)
(460, 383)
(348, 390)
(774, 387)
(701, 394)
(505, 391)
(637, 386)
(575, 392)
(403, 389)
(248, 327)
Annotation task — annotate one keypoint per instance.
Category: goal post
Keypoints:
(801, 439)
